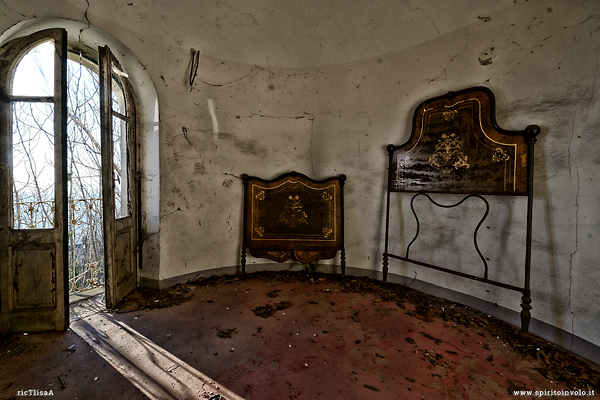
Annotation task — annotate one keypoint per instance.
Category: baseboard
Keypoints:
(562, 338)
(292, 266)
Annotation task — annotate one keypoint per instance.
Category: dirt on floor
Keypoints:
(57, 365)
(555, 363)
(282, 335)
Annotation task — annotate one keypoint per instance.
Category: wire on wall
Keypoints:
(194, 66)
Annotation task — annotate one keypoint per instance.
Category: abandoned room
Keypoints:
(260, 199)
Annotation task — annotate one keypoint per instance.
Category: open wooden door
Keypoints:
(33, 183)
(119, 179)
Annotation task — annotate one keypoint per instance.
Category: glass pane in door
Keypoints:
(120, 168)
(33, 175)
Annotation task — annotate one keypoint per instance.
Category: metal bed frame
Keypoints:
(457, 147)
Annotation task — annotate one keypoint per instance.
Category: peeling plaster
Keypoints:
(180, 194)
(199, 168)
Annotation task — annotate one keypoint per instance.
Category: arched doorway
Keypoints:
(62, 155)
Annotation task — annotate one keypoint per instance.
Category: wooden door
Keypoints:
(33, 184)
(119, 179)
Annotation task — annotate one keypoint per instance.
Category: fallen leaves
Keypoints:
(267, 310)
(554, 362)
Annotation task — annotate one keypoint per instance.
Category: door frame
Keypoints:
(122, 243)
(37, 318)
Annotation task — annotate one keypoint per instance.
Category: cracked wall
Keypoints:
(308, 104)
(334, 119)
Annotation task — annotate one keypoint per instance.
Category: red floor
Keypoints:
(321, 342)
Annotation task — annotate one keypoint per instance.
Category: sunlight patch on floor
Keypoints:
(152, 369)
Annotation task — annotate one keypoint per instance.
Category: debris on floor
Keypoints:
(268, 310)
(321, 336)
(146, 298)
(226, 333)
(555, 363)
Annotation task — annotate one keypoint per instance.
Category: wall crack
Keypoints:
(85, 13)
(172, 212)
(576, 229)
(252, 115)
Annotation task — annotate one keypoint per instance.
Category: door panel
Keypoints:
(33, 265)
(124, 249)
(119, 187)
(31, 271)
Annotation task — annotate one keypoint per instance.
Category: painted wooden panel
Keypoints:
(35, 277)
(457, 147)
(293, 214)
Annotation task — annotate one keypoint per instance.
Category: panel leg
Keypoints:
(243, 259)
(385, 266)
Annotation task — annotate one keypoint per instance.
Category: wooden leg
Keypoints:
(343, 259)
(243, 259)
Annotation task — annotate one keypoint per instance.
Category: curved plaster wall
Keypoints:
(338, 119)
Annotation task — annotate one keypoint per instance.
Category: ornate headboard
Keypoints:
(293, 215)
(457, 147)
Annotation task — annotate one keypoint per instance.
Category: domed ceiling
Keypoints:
(276, 33)
(297, 33)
